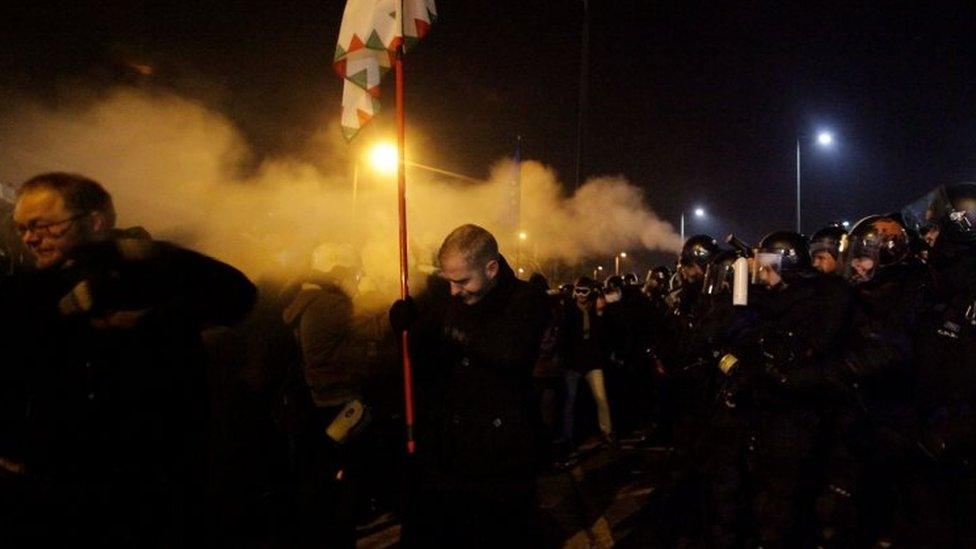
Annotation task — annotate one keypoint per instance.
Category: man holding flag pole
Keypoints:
(477, 448)
(374, 35)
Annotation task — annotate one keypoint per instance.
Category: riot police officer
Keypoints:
(946, 371)
(685, 355)
(877, 471)
(801, 317)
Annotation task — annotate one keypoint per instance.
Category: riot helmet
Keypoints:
(824, 248)
(630, 279)
(827, 240)
(874, 243)
(782, 255)
(698, 250)
(657, 281)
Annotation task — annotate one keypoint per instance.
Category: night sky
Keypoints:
(699, 105)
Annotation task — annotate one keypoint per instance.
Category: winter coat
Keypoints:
(321, 317)
(124, 407)
(477, 420)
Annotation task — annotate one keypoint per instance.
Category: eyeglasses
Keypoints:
(581, 291)
(49, 229)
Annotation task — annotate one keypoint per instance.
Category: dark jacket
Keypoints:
(584, 342)
(121, 407)
(476, 416)
(880, 354)
(321, 317)
(945, 376)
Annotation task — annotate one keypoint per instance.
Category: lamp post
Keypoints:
(699, 212)
(383, 158)
(824, 139)
(616, 262)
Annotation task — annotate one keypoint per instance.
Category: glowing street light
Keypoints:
(824, 139)
(616, 262)
(384, 157)
(522, 235)
(699, 213)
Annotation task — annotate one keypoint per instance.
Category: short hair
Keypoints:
(474, 243)
(80, 194)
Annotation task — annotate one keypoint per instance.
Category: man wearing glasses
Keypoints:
(104, 404)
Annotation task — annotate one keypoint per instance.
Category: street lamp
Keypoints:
(699, 212)
(824, 139)
(616, 262)
(383, 157)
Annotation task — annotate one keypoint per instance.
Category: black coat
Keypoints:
(581, 351)
(476, 414)
(119, 411)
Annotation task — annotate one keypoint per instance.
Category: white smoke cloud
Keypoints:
(173, 167)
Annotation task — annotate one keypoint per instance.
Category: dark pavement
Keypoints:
(606, 498)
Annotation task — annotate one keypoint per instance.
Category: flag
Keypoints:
(368, 41)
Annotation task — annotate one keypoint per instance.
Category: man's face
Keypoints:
(468, 283)
(931, 236)
(863, 268)
(48, 228)
(691, 272)
(769, 277)
(768, 266)
(582, 295)
(824, 262)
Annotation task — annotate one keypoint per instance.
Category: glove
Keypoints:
(403, 314)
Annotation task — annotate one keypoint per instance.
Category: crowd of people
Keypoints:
(824, 400)
(813, 392)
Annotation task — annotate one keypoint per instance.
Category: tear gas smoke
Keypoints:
(174, 167)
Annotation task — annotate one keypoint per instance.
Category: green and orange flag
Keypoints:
(368, 41)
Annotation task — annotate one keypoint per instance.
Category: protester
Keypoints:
(108, 444)
(478, 425)
(833, 407)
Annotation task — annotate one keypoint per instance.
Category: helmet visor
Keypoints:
(860, 258)
(823, 245)
(767, 267)
(718, 278)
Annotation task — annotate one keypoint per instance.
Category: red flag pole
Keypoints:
(402, 209)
